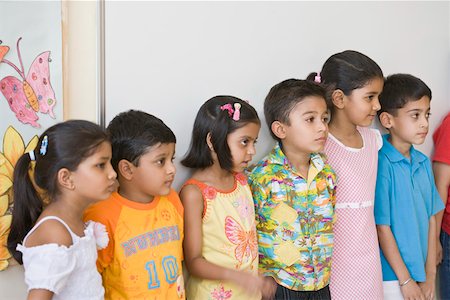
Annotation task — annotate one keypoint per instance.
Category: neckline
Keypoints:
(335, 139)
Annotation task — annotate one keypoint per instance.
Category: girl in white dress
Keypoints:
(71, 167)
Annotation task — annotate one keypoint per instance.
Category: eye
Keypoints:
(161, 161)
(172, 159)
(310, 120)
(101, 165)
(244, 142)
(326, 119)
(428, 115)
(415, 115)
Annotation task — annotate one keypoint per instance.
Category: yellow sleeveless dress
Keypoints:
(229, 239)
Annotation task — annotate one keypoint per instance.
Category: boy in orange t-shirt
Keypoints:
(144, 219)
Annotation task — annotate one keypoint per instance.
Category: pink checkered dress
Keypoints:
(356, 268)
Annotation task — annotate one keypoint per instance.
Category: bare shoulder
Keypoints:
(50, 232)
(190, 193)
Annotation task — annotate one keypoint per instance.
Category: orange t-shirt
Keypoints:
(144, 255)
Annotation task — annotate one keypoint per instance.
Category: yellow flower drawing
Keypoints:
(13, 149)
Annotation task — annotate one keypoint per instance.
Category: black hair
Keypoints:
(133, 133)
(400, 89)
(218, 122)
(64, 145)
(283, 97)
(347, 71)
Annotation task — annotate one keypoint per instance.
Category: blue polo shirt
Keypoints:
(405, 199)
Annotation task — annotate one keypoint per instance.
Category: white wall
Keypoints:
(167, 58)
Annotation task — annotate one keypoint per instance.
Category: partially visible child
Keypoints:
(294, 194)
(220, 246)
(441, 169)
(144, 218)
(406, 198)
(354, 82)
(72, 166)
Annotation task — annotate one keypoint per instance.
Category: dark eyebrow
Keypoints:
(310, 112)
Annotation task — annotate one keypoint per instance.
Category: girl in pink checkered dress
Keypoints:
(355, 82)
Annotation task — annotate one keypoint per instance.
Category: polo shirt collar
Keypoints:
(395, 156)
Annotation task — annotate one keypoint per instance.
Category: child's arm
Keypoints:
(196, 264)
(40, 294)
(430, 265)
(442, 178)
(411, 289)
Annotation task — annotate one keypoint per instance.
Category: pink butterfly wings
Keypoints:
(12, 89)
(246, 241)
(39, 79)
(32, 94)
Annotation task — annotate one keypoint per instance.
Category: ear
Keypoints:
(64, 177)
(386, 119)
(337, 97)
(209, 142)
(126, 169)
(278, 129)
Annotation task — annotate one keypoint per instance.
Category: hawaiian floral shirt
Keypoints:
(295, 218)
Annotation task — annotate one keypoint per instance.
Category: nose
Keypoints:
(323, 126)
(376, 105)
(171, 169)
(251, 149)
(425, 123)
(112, 173)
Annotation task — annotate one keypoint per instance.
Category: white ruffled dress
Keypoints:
(69, 272)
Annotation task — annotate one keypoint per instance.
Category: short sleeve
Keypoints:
(258, 192)
(379, 139)
(441, 140)
(382, 194)
(101, 214)
(47, 267)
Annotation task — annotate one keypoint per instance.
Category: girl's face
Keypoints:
(362, 104)
(94, 178)
(242, 145)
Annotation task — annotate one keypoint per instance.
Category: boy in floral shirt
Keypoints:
(294, 194)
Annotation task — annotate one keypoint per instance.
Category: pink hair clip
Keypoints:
(317, 78)
(237, 112)
(227, 107)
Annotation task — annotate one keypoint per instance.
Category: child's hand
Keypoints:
(427, 288)
(250, 283)
(412, 291)
(269, 288)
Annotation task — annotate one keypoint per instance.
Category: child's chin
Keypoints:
(165, 191)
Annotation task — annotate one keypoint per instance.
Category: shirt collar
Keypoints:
(395, 156)
(277, 156)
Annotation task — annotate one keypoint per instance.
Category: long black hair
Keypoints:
(64, 145)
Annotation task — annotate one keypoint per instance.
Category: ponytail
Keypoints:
(27, 206)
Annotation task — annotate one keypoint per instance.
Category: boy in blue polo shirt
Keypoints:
(406, 198)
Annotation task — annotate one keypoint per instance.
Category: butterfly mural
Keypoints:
(246, 241)
(32, 93)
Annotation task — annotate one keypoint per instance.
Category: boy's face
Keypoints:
(154, 174)
(242, 145)
(308, 129)
(410, 124)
